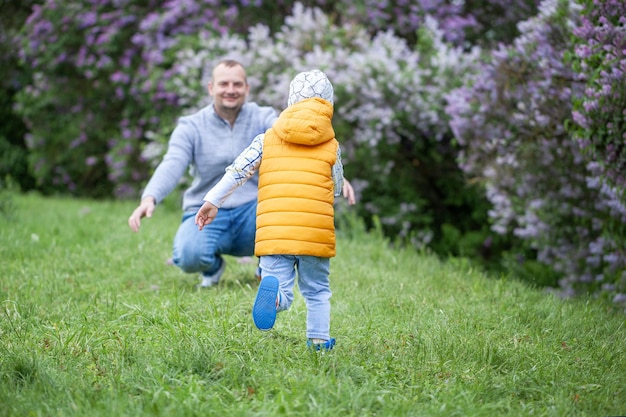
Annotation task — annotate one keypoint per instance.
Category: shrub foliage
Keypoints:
(510, 118)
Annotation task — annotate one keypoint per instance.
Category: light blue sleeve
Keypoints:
(237, 173)
(248, 161)
(338, 174)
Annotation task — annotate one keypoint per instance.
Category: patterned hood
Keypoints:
(308, 118)
(310, 84)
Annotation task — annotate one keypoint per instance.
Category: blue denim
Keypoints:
(231, 233)
(313, 282)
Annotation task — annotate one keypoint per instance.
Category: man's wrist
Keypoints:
(149, 198)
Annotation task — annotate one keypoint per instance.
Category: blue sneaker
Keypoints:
(327, 345)
(264, 309)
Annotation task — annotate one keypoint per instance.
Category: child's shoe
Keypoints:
(327, 345)
(264, 309)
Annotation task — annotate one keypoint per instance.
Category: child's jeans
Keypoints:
(314, 285)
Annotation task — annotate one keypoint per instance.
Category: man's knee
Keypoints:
(192, 256)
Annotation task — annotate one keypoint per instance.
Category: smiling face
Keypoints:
(229, 89)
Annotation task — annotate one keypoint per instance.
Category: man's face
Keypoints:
(228, 87)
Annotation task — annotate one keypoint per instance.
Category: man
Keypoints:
(209, 141)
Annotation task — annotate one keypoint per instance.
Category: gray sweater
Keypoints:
(206, 143)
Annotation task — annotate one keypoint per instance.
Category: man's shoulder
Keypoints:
(255, 109)
(198, 114)
(198, 120)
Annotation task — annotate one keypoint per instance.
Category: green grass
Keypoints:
(94, 322)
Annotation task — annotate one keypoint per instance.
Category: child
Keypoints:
(300, 173)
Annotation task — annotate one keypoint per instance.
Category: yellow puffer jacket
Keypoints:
(295, 214)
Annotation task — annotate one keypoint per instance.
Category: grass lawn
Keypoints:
(95, 322)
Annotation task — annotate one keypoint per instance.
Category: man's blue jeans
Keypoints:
(231, 233)
(314, 285)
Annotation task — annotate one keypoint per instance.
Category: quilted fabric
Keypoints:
(295, 214)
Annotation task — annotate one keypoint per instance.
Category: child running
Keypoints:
(300, 174)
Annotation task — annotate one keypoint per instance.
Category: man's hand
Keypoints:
(348, 192)
(145, 209)
(206, 214)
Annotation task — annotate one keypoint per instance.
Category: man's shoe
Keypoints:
(209, 281)
(264, 309)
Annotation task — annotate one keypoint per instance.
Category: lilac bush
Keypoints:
(600, 114)
(104, 69)
(509, 119)
(101, 68)
(13, 155)
(461, 22)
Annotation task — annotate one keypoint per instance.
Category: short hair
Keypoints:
(231, 63)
